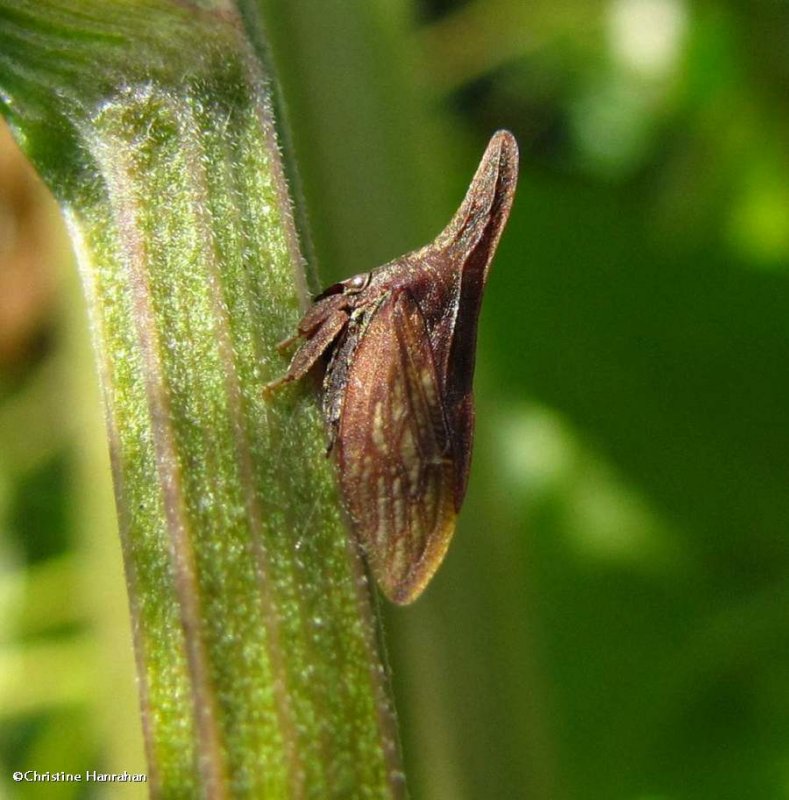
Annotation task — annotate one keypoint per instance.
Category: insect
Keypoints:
(396, 347)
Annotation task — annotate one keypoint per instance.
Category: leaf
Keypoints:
(256, 644)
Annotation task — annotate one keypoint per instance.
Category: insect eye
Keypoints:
(358, 282)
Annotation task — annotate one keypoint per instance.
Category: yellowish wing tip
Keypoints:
(405, 591)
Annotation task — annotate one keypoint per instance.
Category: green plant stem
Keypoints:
(255, 640)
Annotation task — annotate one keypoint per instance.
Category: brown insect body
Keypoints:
(398, 346)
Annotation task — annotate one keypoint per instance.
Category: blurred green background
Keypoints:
(612, 620)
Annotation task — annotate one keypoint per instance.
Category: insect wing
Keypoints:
(393, 450)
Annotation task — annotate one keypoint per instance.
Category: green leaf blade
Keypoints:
(255, 640)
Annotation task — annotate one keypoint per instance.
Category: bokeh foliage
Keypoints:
(611, 621)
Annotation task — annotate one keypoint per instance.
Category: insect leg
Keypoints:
(312, 349)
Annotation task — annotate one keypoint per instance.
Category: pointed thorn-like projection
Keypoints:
(396, 346)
